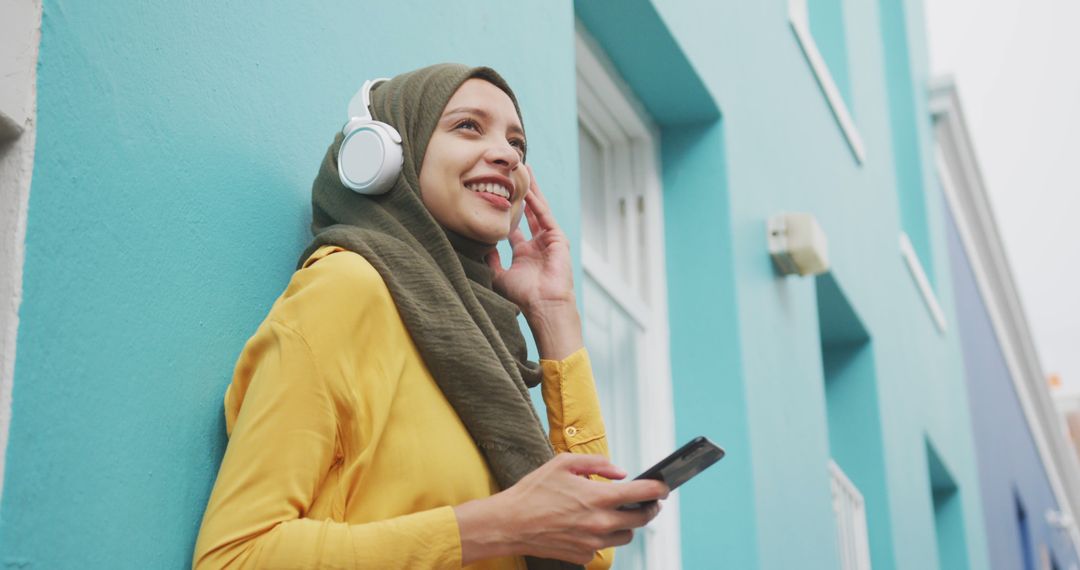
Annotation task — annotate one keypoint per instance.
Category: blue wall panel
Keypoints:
(1010, 468)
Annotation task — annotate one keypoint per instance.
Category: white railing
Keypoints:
(851, 535)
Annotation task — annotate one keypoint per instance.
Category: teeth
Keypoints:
(490, 188)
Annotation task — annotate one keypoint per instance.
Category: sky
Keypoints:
(1017, 69)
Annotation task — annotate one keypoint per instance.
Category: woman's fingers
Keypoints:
(541, 210)
(582, 464)
(540, 207)
(495, 262)
(620, 537)
(534, 224)
(635, 518)
(516, 236)
(637, 491)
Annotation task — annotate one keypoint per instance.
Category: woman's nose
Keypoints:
(504, 154)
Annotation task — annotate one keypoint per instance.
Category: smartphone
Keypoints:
(681, 466)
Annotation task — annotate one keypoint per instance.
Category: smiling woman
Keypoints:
(478, 146)
(379, 417)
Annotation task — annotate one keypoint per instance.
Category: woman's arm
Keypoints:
(283, 444)
(574, 418)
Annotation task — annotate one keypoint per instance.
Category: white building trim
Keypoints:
(965, 191)
(853, 538)
(609, 109)
(915, 267)
(800, 24)
(20, 38)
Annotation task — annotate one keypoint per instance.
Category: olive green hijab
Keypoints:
(467, 335)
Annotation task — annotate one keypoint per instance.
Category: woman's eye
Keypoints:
(518, 144)
(468, 124)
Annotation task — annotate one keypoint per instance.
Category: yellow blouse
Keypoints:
(343, 452)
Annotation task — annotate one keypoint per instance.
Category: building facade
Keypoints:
(1029, 476)
(175, 148)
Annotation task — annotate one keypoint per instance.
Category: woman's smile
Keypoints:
(496, 190)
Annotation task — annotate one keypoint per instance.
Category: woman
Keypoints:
(379, 417)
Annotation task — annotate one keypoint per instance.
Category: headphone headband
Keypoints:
(360, 105)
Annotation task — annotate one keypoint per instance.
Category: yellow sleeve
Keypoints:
(283, 442)
(573, 408)
(574, 418)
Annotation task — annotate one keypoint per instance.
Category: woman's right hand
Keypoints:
(556, 512)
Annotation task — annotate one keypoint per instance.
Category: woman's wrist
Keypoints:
(483, 529)
(556, 327)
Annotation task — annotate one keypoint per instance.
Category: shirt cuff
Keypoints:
(572, 404)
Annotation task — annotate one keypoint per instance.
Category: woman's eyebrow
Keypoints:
(482, 114)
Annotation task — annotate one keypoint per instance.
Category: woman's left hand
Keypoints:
(540, 276)
(540, 279)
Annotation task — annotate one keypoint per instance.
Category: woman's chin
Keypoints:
(492, 232)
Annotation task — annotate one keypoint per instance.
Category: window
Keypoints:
(828, 61)
(852, 539)
(624, 289)
(857, 463)
(1025, 534)
(948, 513)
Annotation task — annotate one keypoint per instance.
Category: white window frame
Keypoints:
(799, 18)
(852, 537)
(922, 283)
(607, 108)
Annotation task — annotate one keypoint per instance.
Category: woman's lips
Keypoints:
(496, 201)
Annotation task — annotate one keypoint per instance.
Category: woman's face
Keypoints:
(472, 180)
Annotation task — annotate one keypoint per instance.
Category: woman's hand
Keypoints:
(540, 274)
(556, 512)
(540, 278)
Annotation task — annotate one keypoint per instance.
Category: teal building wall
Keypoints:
(176, 145)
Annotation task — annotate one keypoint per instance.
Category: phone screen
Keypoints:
(682, 465)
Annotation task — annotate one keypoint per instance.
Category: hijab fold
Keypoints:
(467, 334)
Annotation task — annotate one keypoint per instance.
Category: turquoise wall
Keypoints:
(785, 152)
(176, 146)
(829, 29)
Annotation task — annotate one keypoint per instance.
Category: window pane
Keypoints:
(612, 339)
(593, 218)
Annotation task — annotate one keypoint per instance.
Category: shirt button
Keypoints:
(571, 431)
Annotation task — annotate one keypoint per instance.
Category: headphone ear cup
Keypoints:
(370, 157)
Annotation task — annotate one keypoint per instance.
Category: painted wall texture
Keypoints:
(784, 151)
(1015, 492)
(176, 146)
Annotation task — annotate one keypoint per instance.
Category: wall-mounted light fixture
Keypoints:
(797, 244)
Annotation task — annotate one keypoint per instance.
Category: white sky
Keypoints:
(1017, 67)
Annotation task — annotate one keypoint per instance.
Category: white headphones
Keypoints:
(370, 157)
